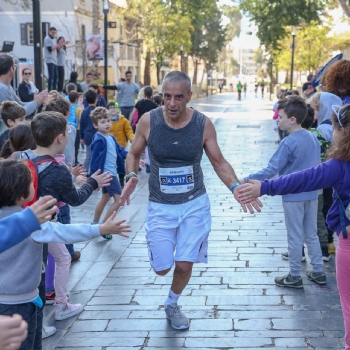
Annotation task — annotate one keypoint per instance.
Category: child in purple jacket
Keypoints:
(335, 173)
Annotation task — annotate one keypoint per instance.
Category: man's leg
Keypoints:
(55, 75)
(50, 73)
(322, 232)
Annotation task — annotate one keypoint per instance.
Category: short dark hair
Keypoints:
(24, 69)
(52, 28)
(47, 126)
(73, 76)
(6, 62)
(128, 72)
(58, 104)
(94, 86)
(98, 114)
(73, 96)
(309, 119)
(111, 104)
(89, 73)
(158, 99)
(70, 87)
(294, 106)
(310, 77)
(21, 138)
(148, 91)
(15, 181)
(91, 96)
(11, 110)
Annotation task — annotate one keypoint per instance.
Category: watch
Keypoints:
(127, 177)
(234, 186)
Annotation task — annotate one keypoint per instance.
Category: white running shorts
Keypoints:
(180, 228)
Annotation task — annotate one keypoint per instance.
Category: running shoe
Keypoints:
(177, 318)
(318, 277)
(48, 332)
(289, 281)
(64, 311)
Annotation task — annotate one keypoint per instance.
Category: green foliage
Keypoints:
(274, 17)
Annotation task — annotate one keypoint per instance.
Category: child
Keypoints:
(20, 139)
(62, 106)
(50, 131)
(322, 103)
(20, 271)
(105, 152)
(87, 130)
(300, 210)
(121, 130)
(12, 114)
(335, 173)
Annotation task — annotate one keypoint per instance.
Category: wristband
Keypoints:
(127, 177)
(234, 186)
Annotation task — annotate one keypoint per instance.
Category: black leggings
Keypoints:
(60, 70)
(77, 145)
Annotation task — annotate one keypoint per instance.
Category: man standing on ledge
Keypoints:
(178, 216)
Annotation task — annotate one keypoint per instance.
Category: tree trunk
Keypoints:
(147, 71)
(95, 30)
(345, 7)
(195, 70)
(203, 77)
(158, 73)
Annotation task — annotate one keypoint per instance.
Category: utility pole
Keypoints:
(292, 65)
(38, 55)
(105, 12)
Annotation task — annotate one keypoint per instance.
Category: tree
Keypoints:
(274, 17)
(345, 5)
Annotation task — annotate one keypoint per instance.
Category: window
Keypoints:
(27, 32)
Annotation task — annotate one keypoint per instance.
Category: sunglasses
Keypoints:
(340, 114)
(27, 73)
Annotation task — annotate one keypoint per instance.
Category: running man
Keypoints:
(178, 216)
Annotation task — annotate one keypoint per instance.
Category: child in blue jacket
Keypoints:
(106, 155)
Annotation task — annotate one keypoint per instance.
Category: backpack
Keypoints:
(324, 144)
(33, 166)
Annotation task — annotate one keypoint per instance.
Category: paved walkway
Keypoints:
(232, 302)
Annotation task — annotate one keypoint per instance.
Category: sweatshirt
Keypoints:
(121, 130)
(8, 94)
(299, 151)
(17, 227)
(87, 129)
(20, 266)
(327, 100)
(332, 173)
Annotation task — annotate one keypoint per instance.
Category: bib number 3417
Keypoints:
(176, 180)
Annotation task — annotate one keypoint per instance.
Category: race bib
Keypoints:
(176, 180)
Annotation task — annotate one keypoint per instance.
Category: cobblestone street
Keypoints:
(232, 301)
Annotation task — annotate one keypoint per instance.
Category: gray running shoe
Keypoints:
(177, 318)
(289, 281)
(318, 277)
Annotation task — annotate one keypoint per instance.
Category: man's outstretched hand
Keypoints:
(247, 201)
(128, 189)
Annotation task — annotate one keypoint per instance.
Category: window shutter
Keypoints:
(45, 28)
(24, 37)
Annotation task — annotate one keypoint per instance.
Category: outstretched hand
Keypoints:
(128, 189)
(252, 203)
(111, 227)
(77, 170)
(249, 192)
(103, 180)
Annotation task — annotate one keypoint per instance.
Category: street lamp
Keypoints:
(207, 64)
(181, 53)
(105, 13)
(292, 67)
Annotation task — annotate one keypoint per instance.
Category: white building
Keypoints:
(243, 47)
(73, 21)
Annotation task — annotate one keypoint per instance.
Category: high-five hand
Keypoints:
(128, 189)
(253, 203)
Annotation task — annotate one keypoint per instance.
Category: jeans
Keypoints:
(327, 203)
(64, 218)
(60, 73)
(301, 224)
(87, 160)
(29, 312)
(76, 146)
(126, 111)
(52, 81)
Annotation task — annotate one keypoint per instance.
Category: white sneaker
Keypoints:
(48, 332)
(64, 311)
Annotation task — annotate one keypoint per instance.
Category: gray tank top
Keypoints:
(175, 154)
